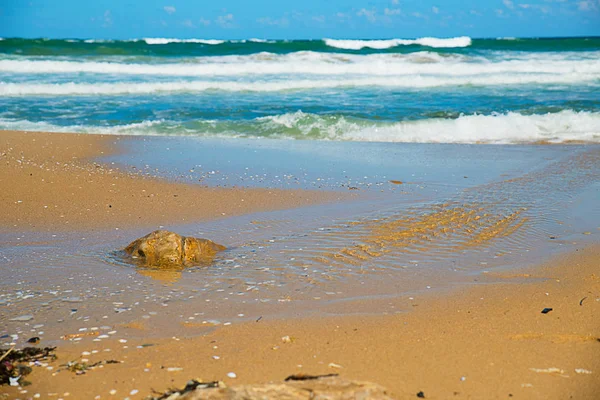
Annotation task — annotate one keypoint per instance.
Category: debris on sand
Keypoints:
(80, 368)
(189, 387)
(306, 377)
(12, 369)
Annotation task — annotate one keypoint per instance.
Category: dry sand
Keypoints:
(50, 182)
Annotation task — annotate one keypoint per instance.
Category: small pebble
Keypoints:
(134, 391)
(583, 371)
(232, 375)
(22, 318)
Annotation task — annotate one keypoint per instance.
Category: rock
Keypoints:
(164, 249)
(334, 388)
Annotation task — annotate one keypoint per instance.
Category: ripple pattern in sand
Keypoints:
(503, 217)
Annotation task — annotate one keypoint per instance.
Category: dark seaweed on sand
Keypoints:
(11, 359)
(189, 387)
(80, 368)
(306, 377)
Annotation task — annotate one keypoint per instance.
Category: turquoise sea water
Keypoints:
(456, 90)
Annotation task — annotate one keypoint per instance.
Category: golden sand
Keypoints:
(50, 183)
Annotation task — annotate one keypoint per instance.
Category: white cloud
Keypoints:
(475, 12)
(319, 18)
(107, 18)
(188, 23)
(225, 21)
(500, 13)
(392, 11)
(588, 5)
(538, 7)
(204, 22)
(435, 10)
(368, 14)
(343, 16)
(509, 4)
(281, 22)
(169, 9)
(395, 2)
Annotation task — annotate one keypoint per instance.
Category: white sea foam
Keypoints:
(509, 128)
(140, 128)
(167, 41)
(419, 64)
(463, 41)
(255, 40)
(98, 41)
(420, 81)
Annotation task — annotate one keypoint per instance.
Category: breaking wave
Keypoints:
(463, 41)
(508, 128)
(421, 63)
(167, 41)
(193, 86)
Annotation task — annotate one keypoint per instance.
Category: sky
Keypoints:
(306, 19)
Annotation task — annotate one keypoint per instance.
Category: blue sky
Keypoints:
(237, 19)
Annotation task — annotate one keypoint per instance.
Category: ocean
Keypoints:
(427, 90)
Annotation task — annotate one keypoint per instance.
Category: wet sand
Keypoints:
(483, 336)
(488, 341)
(51, 183)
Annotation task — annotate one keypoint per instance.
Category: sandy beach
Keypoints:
(53, 188)
(481, 336)
(490, 341)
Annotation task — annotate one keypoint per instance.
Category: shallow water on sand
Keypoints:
(460, 213)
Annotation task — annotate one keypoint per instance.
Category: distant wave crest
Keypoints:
(462, 41)
(418, 69)
(191, 86)
(167, 41)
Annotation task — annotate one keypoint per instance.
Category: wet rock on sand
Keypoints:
(164, 249)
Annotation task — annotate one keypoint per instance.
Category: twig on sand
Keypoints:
(5, 354)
